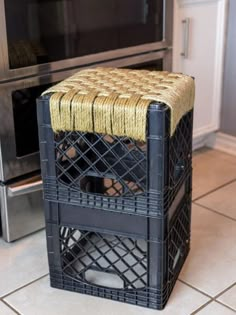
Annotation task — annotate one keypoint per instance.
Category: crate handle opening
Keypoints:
(104, 279)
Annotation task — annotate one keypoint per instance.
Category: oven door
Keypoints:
(44, 36)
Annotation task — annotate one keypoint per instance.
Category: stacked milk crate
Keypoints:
(117, 209)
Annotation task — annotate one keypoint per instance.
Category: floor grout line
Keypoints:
(201, 307)
(209, 302)
(225, 306)
(221, 293)
(196, 289)
(215, 211)
(212, 299)
(12, 308)
(23, 286)
(213, 190)
(225, 290)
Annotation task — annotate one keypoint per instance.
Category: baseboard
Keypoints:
(202, 136)
(200, 141)
(223, 142)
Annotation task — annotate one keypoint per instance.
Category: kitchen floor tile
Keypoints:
(211, 169)
(4, 310)
(222, 200)
(215, 308)
(22, 261)
(229, 298)
(39, 298)
(210, 266)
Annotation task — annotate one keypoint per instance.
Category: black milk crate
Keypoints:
(117, 173)
(127, 258)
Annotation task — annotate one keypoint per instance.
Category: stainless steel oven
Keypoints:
(43, 42)
(42, 36)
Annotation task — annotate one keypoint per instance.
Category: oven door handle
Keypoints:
(24, 189)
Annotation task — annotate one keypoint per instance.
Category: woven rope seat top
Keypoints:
(115, 101)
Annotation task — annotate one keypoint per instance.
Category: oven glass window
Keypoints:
(41, 31)
(25, 119)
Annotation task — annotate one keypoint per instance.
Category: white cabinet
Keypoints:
(199, 32)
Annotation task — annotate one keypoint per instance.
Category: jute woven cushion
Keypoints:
(115, 101)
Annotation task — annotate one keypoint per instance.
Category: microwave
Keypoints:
(42, 36)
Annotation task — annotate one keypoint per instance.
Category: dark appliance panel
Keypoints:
(53, 30)
(25, 119)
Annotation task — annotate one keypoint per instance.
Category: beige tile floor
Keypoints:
(207, 283)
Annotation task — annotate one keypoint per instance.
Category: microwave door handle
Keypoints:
(25, 189)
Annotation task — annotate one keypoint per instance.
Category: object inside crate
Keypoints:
(107, 165)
